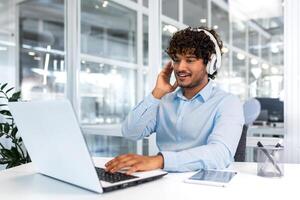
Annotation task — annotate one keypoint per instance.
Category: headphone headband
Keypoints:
(215, 62)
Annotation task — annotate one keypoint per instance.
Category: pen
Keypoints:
(259, 144)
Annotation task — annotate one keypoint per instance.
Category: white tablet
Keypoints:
(211, 177)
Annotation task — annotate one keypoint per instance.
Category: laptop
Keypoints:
(56, 146)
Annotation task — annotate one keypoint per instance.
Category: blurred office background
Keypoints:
(96, 53)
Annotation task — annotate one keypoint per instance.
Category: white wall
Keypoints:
(292, 80)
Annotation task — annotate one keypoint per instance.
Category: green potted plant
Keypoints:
(16, 154)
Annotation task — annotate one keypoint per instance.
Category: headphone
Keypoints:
(215, 59)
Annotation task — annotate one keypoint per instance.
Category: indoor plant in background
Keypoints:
(16, 153)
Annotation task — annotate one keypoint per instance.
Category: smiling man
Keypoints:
(197, 125)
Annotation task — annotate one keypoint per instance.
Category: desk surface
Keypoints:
(24, 183)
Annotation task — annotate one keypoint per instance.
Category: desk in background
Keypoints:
(24, 183)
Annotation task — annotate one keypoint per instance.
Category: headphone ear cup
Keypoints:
(211, 65)
(208, 67)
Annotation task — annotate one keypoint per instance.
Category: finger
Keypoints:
(116, 160)
(134, 168)
(124, 165)
(119, 160)
(168, 67)
(175, 85)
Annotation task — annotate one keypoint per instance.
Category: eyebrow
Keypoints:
(190, 56)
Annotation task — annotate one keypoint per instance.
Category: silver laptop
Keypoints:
(55, 143)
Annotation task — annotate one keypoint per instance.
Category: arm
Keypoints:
(141, 122)
(221, 145)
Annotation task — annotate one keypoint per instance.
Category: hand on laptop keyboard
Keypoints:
(134, 163)
(112, 177)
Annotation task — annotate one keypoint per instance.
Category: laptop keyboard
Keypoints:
(112, 177)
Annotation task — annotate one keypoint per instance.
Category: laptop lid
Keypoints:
(53, 138)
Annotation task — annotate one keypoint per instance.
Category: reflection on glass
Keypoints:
(238, 76)
(108, 31)
(223, 76)
(107, 93)
(265, 48)
(167, 32)
(253, 41)
(239, 33)
(42, 49)
(109, 146)
(170, 8)
(195, 13)
(220, 21)
(145, 40)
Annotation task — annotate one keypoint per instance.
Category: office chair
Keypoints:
(251, 111)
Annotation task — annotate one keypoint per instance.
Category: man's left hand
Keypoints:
(133, 163)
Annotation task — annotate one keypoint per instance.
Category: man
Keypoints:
(198, 125)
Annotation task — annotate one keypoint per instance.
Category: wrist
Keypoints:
(159, 160)
(158, 93)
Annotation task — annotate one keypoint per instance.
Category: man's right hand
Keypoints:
(163, 85)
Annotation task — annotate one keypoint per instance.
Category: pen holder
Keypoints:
(270, 161)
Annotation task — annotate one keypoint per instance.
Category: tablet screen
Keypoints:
(213, 175)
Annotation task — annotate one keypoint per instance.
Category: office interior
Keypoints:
(104, 56)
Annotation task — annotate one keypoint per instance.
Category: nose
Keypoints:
(181, 66)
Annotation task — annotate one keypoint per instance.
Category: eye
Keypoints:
(190, 60)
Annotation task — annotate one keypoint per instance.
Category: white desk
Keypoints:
(22, 183)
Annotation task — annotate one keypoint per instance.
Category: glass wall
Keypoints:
(107, 86)
(41, 43)
(114, 49)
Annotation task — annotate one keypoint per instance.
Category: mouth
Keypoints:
(183, 75)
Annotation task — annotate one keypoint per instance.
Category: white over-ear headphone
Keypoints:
(215, 59)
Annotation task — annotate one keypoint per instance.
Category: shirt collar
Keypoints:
(204, 94)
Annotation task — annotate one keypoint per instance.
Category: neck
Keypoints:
(191, 92)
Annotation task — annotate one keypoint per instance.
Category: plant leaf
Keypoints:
(15, 96)
(6, 128)
(3, 161)
(3, 86)
(7, 91)
(14, 131)
(5, 112)
(6, 153)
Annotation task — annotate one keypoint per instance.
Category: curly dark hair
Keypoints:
(190, 41)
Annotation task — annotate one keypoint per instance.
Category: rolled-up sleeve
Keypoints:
(141, 121)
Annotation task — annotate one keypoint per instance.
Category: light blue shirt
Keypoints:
(191, 134)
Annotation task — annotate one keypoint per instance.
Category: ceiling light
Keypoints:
(240, 56)
(2, 48)
(265, 66)
(203, 20)
(225, 50)
(31, 53)
(254, 61)
(104, 4)
(274, 70)
(274, 49)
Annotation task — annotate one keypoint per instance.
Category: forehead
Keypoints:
(181, 56)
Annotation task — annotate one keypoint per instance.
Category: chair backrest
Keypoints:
(251, 111)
